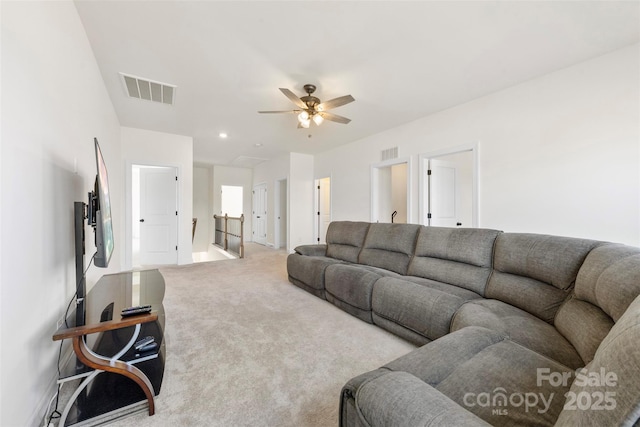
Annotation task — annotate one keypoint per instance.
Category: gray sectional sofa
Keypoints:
(514, 328)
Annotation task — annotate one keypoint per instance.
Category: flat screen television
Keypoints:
(100, 213)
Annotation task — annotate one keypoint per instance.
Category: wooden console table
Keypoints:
(116, 380)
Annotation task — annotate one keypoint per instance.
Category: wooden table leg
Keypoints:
(117, 367)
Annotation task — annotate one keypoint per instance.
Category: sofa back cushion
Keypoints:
(607, 283)
(345, 239)
(536, 272)
(613, 375)
(458, 256)
(389, 246)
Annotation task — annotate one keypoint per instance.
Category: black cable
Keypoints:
(55, 413)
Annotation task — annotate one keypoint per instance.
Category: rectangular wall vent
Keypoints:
(389, 153)
(137, 87)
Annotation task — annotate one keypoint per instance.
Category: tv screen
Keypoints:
(104, 228)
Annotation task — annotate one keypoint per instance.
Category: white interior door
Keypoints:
(324, 208)
(158, 216)
(260, 214)
(442, 193)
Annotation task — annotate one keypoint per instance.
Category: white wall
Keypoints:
(301, 201)
(148, 148)
(55, 103)
(558, 154)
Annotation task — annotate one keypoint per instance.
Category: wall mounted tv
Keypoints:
(99, 212)
(98, 215)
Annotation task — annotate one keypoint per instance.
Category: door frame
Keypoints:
(375, 185)
(316, 206)
(423, 200)
(277, 213)
(128, 229)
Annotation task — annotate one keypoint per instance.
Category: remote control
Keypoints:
(136, 311)
(149, 347)
(137, 307)
(144, 341)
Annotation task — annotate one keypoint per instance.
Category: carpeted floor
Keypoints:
(247, 348)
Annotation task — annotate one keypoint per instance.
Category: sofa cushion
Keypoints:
(425, 309)
(474, 363)
(501, 384)
(535, 272)
(389, 246)
(613, 389)
(584, 325)
(401, 400)
(349, 287)
(345, 239)
(519, 326)
(311, 250)
(610, 278)
(458, 256)
(308, 272)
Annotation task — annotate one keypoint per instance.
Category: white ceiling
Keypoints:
(400, 60)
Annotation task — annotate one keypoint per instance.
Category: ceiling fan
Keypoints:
(311, 108)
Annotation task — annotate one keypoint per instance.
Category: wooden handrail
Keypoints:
(64, 333)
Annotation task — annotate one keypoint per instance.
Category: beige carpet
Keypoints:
(247, 348)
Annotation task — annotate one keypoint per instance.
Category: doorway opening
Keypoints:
(323, 209)
(391, 191)
(449, 187)
(280, 213)
(154, 215)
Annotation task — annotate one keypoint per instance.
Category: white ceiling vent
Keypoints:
(137, 87)
(389, 153)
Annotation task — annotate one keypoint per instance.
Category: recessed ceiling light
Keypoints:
(257, 145)
(222, 135)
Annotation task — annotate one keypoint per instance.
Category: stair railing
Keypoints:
(229, 233)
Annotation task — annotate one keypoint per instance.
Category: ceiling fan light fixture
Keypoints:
(311, 108)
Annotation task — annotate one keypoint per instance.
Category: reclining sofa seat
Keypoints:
(533, 274)
(387, 251)
(450, 267)
(306, 266)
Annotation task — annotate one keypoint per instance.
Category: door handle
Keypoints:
(258, 216)
(141, 220)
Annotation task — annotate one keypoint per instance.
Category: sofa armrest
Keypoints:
(312, 250)
(401, 399)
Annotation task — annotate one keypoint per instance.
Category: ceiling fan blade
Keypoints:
(293, 98)
(335, 118)
(336, 102)
(281, 111)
